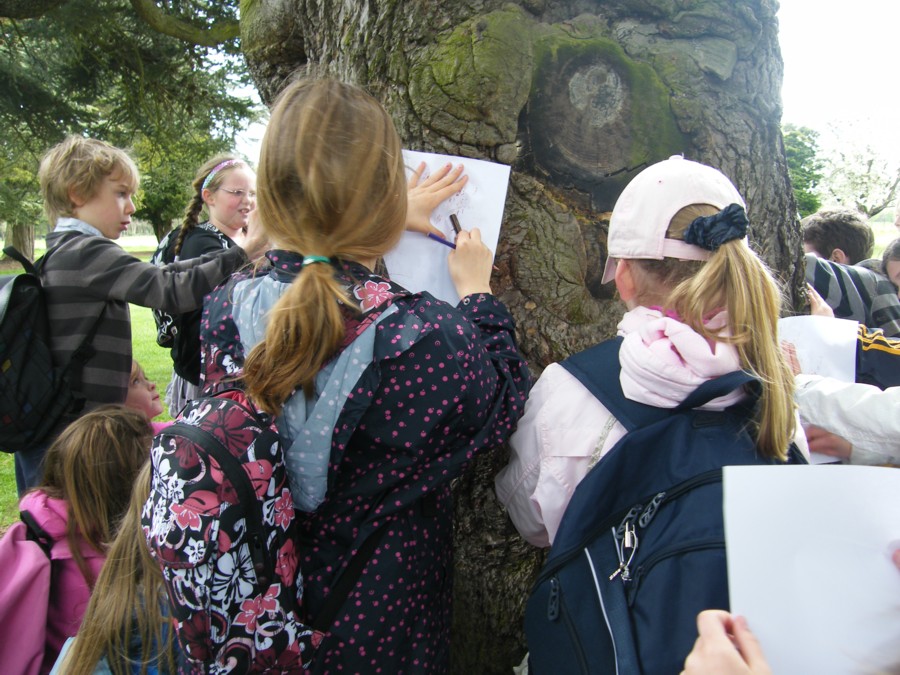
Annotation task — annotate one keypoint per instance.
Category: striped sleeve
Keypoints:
(877, 358)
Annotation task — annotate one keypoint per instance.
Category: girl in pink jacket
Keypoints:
(88, 476)
(700, 304)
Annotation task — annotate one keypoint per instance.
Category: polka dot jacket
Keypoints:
(443, 384)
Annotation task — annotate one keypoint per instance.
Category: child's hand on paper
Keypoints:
(826, 443)
(725, 646)
(789, 350)
(471, 264)
(817, 304)
(424, 197)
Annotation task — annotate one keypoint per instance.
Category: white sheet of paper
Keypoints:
(809, 564)
(825, 346)
(419, 263)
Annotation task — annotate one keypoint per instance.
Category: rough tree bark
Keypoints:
(577, 96)
(20, 235)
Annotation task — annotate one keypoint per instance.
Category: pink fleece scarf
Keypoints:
(664, 360)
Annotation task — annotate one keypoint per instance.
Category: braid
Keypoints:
(191, 218)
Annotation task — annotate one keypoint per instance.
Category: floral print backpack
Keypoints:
(220, 521)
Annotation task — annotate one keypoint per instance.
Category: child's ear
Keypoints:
(838, 256)
(625, 281)
(76, 199)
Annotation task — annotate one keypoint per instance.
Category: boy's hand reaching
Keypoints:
(255, 242)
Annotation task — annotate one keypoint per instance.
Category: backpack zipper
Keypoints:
(556, 607)
(645, 568)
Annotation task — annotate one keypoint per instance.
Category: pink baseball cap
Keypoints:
(644, 210)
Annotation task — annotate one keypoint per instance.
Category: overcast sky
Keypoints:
(841, 67)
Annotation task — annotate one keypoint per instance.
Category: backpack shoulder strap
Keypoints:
(598, 369)
(231, 467)
(35, 532)
(17, 255)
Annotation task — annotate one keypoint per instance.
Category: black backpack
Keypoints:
(640, 550)
(35, 395)
(166, 324)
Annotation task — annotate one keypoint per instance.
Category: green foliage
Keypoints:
(804, 166)
(93, 67)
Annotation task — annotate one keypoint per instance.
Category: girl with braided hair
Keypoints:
(225, 187)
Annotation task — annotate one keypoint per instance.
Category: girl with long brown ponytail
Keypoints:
(384, 396)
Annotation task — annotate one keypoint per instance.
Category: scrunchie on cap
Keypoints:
(311, 259)
(710, 232)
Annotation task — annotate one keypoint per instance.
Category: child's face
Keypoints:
(110, 209)
(142, 395)
(230, 204)
(893, 271)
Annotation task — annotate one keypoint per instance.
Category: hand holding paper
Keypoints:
(477, 198)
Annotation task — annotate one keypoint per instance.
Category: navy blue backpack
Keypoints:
(640, 550)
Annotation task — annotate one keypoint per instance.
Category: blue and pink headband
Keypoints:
(217, 168)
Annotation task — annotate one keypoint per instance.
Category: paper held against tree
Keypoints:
(420, 264)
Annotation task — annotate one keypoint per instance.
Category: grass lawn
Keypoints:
(154, 359)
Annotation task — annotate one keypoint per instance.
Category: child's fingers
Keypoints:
(749, 646)
(442, 193)
(416, 175)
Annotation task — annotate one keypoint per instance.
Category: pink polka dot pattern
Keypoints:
(445, 383)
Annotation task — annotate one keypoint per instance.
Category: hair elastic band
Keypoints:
(310, 259)
(217, 168)
(710, 232)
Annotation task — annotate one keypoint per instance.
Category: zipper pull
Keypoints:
(625, 550)
(553, 600)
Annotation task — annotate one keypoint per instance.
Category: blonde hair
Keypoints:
(128, 598)
(91, 466)
(195, 206)
(735, 279)
(331, 183)
(79, 165)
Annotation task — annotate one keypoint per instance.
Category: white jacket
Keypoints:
(866, 416)
(565, 430)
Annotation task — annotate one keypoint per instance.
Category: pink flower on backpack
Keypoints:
(254, 608)
(372, 294)
(187, 515)
(286, 564)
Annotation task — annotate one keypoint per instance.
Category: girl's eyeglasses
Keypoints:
(240, 194)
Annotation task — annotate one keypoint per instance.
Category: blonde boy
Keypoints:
(87, 186)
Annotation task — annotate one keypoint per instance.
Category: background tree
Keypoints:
(801, 151)
(98, 68)
(860, 178)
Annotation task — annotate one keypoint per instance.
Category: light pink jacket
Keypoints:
(565, 430)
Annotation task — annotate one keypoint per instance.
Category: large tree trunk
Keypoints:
(578, 97)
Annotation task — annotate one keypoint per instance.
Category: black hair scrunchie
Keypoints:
(710, 232)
